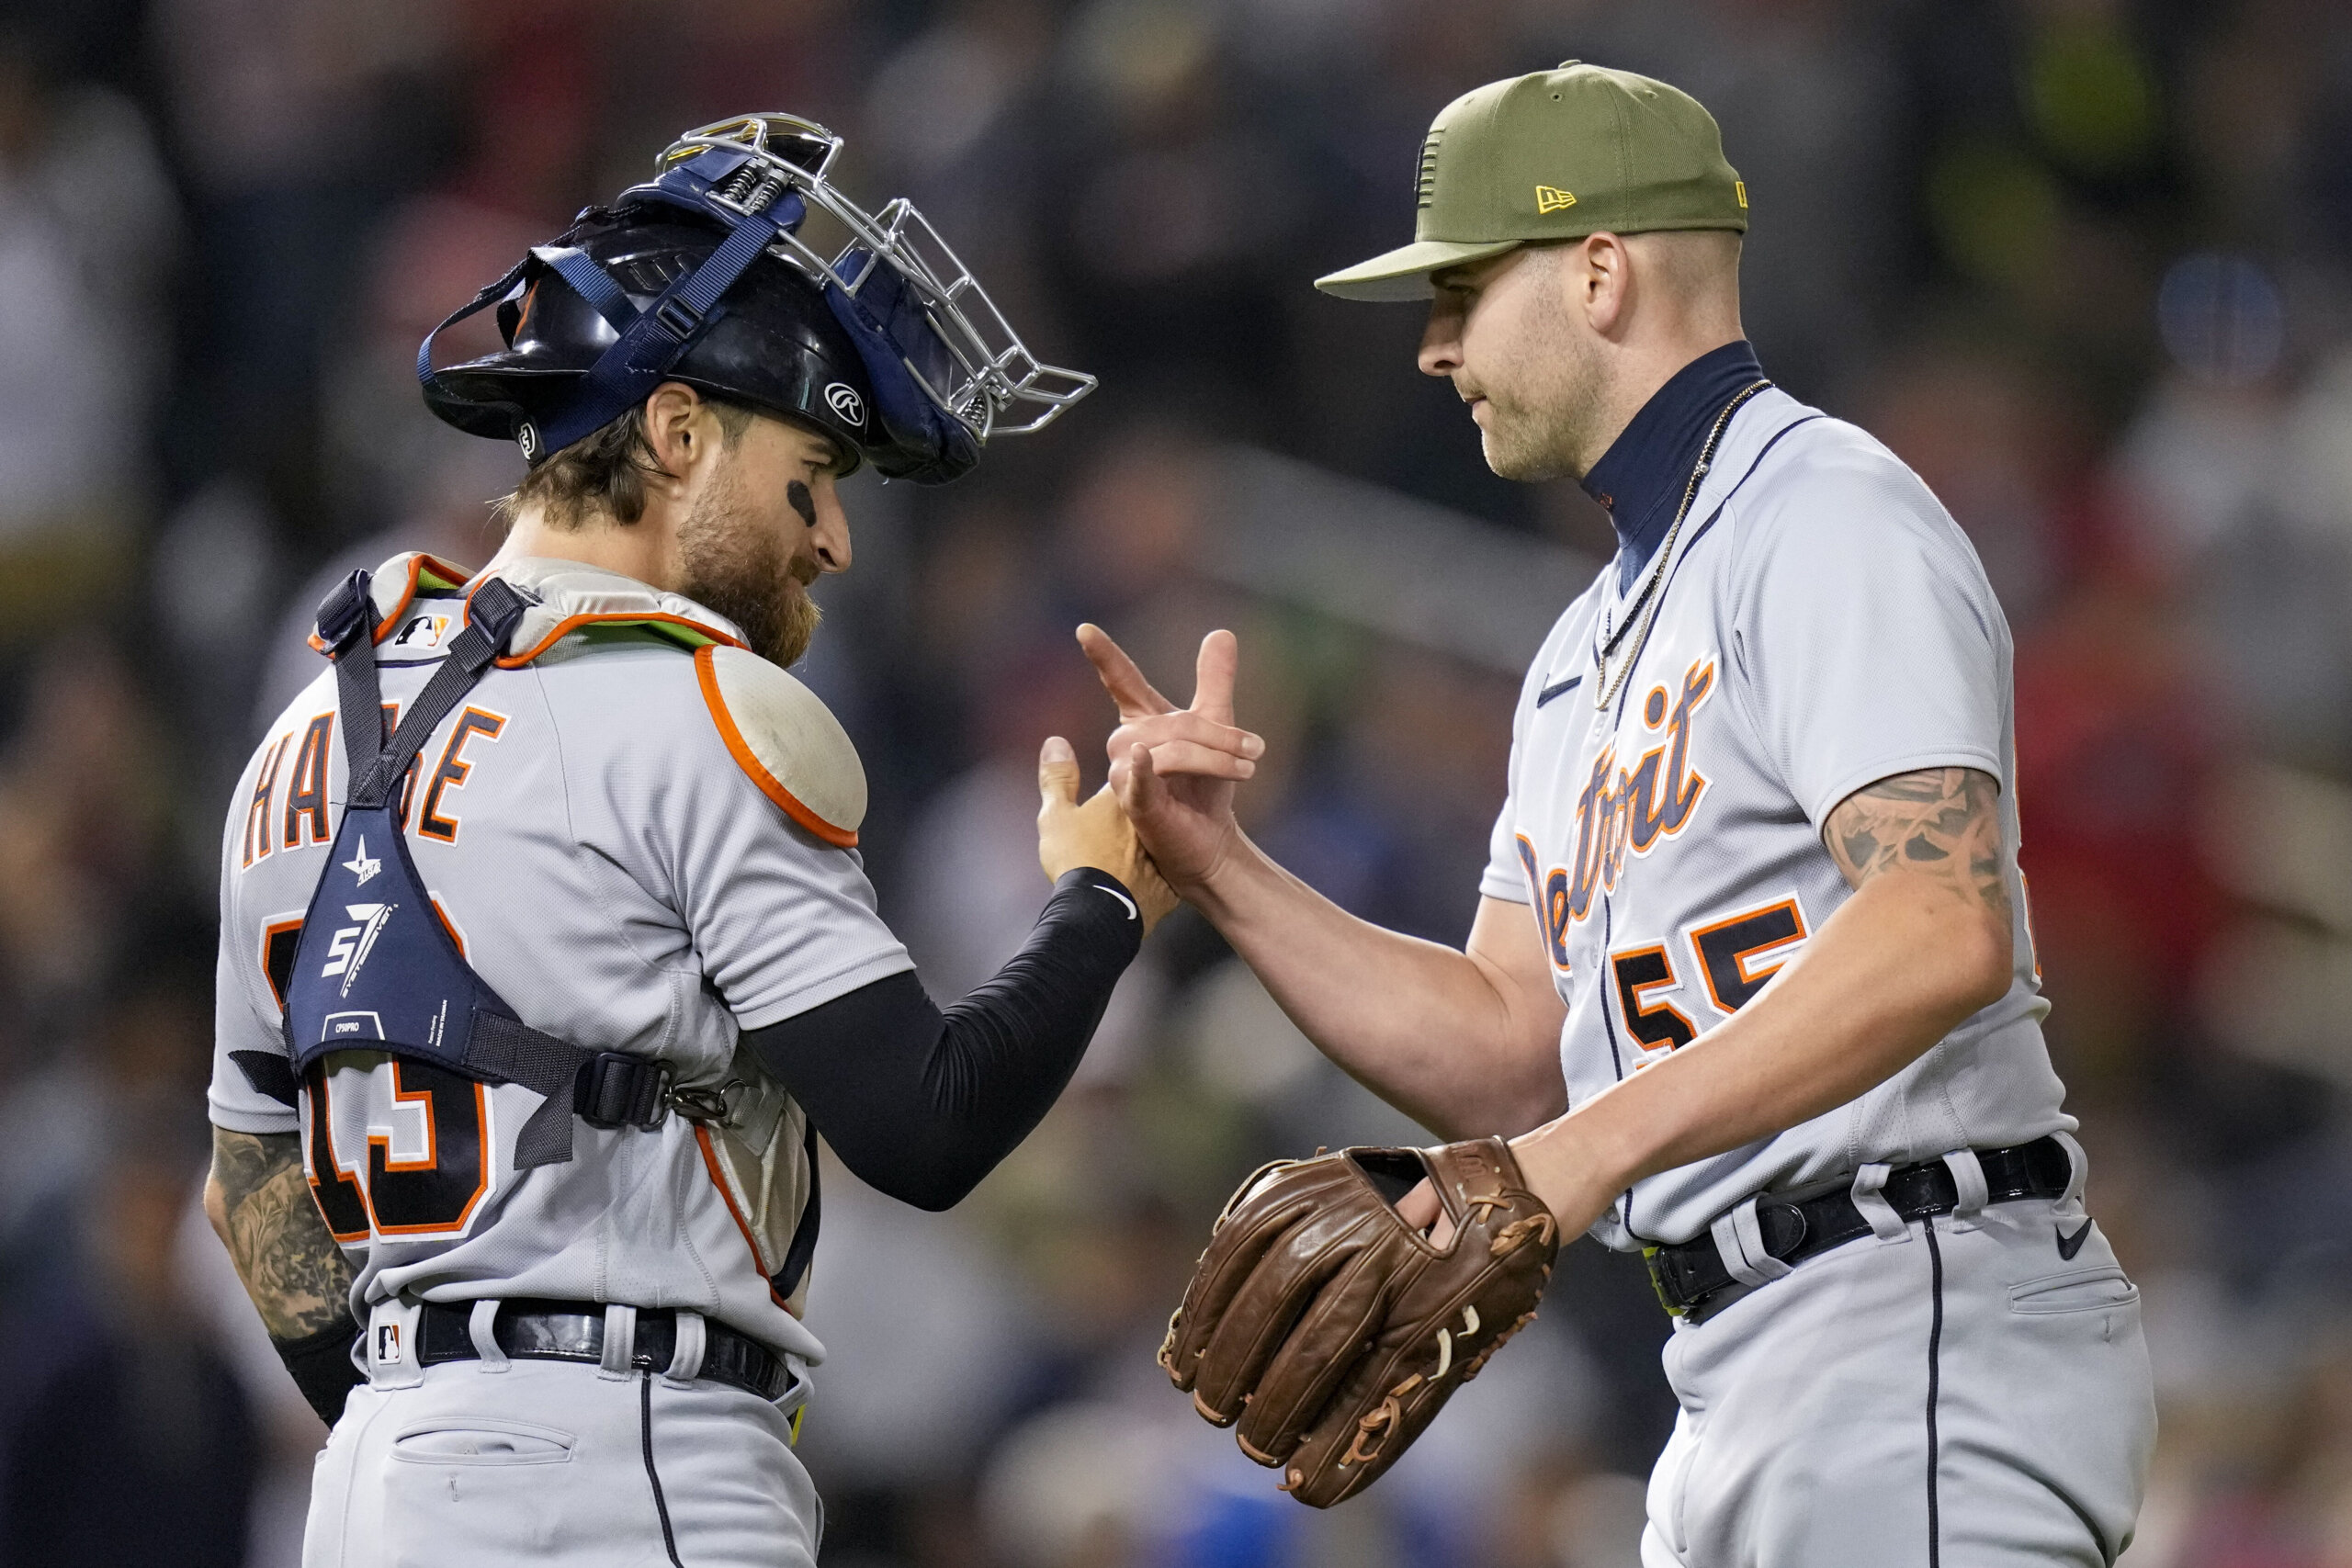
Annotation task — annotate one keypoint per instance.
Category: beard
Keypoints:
(731, 563)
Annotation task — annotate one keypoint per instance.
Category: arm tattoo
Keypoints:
(1944, 822)
(291, 1266)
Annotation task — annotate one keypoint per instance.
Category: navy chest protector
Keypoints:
(375, 968)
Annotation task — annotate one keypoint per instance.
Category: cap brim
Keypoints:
(1404, 273)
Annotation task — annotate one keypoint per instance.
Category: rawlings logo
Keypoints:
(843, 398)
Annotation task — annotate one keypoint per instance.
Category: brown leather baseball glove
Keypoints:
(1330, 1329)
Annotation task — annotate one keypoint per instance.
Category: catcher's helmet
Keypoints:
(700, 276)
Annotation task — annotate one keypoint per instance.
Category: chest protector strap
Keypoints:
(377, 967)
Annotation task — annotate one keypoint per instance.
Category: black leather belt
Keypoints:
(574, 1331)
(1693, 1280)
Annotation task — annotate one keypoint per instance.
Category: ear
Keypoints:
(1602, 277)
(677, 428)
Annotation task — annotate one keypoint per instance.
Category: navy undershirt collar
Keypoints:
(1641, 478)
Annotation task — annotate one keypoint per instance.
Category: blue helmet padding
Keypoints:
(887, 326)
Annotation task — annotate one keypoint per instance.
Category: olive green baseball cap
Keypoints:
(1555, 155)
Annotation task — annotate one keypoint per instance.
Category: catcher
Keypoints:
(545, 945)
(1751, 980)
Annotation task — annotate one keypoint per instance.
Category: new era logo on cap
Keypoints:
(1602, 150)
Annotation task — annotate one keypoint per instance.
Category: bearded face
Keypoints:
(738, 557)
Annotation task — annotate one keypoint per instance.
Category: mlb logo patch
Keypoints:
(422, 631)
(387, 1344)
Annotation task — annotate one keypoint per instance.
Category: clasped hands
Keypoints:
(1168, 809)
(1164, 822)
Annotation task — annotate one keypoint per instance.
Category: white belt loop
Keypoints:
(2078, 1168)
(1968, 1175)
(481, 1328)
(621, 1341)
(1739, 1242)
(685, 1361)
(1869, 1197)
(391, 1351)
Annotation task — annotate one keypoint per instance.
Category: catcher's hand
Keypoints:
(1332, 1328)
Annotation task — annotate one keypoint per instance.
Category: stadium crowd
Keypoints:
(2087, 264)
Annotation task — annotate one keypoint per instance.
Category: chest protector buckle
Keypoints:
(376, 968)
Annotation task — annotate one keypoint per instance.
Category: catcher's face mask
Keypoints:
(944, 368)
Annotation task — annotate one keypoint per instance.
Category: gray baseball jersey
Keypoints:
(1824, 624)
(611, 826)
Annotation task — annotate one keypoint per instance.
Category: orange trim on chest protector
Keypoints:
(742, 1225)
(656, 621)
(706, 671)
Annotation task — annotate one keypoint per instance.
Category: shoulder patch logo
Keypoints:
(1552, 198)
(422, 631)
(843, 398)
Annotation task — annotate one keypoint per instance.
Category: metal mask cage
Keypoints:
(954, 341)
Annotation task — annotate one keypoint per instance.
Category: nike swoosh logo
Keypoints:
(2070, 1244)
(1548, 692)
(1133, 915)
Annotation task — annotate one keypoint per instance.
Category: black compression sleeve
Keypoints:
(921, 1104)
(321, 1365)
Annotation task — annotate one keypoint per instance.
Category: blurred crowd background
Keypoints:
(2087, 264)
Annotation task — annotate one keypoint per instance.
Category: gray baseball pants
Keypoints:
(1954, 1393)
(477, 1464)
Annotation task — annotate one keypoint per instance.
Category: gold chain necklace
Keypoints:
(1604, 685)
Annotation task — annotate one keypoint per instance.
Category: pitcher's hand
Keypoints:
(1174, 768)
(1096, 834)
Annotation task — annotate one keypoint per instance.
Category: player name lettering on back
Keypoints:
(306, 823)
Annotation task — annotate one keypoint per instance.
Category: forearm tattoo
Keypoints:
(1942, 822)
(291, 1266)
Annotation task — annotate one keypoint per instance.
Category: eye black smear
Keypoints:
(798, 493)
